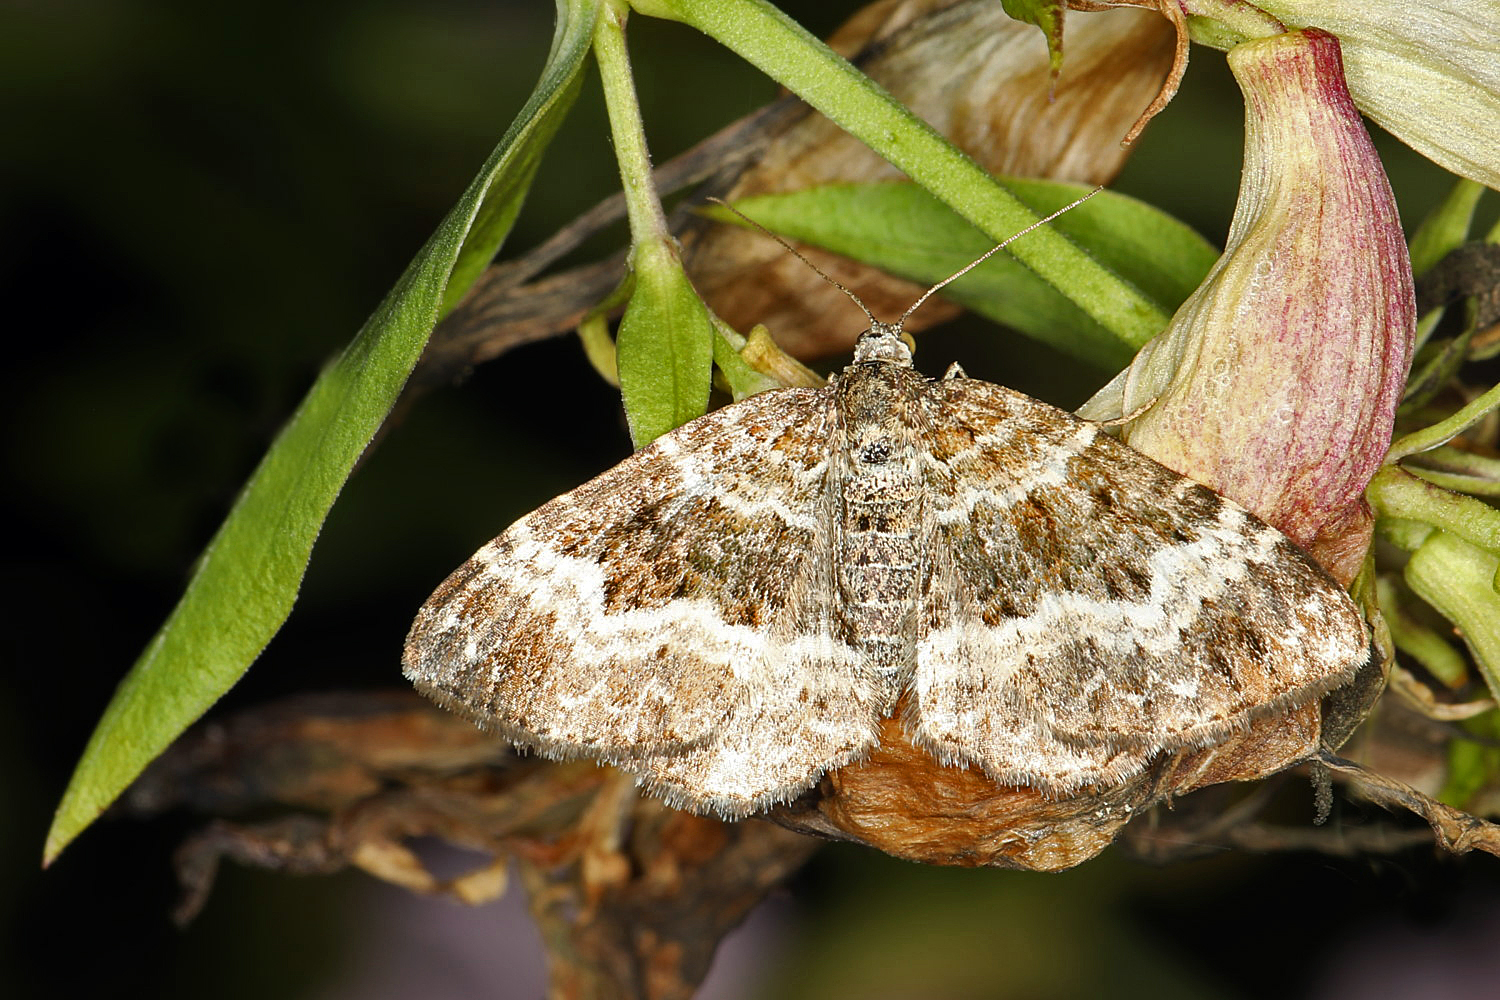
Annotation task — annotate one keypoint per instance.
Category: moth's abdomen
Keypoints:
(879, 565)
(879, 517)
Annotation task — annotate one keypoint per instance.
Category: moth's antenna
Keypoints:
(927, 294)
(991, 252)
(793, 251)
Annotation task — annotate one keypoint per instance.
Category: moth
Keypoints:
(729, 613)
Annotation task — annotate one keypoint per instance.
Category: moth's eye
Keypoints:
(876, 452)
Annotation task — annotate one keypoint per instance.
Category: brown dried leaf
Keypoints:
(903, 802)
(874, 23)
(633, 897)
(1173, 11)
(319, 751)
(1271, 744)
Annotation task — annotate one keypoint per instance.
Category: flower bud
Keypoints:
(1277, 381)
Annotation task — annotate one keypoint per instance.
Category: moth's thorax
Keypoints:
(881, 513)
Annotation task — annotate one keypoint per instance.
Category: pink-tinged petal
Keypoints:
(1277, 382)
(1428, 73)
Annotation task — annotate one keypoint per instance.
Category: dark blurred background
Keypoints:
(200, 203)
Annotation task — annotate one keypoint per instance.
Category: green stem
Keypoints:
(1421, 643)
(1458, 580)
(1445, 430)
(1395, 492)
(788, 54)
(642, 206)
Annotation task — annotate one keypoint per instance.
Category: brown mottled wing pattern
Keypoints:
(1088, 607)
(670, 616)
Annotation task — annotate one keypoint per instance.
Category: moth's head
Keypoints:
(884, 342)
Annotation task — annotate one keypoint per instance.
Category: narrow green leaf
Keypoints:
(740, 378)
(1446, 226)
(903, 229)
(664, 347)
(247, 579)
(594, 333)
(1458, 470)
(1488, 486)
(1445, 430)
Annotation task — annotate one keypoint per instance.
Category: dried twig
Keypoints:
(632, 897)
(1456, 830)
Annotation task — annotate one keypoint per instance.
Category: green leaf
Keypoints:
(1447, 429)
(1048, 16)
(665, 346)
(740, 378)
(1473, 762)
(247, 579)
(1446, 226)
(904, 230)
(783, 50)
